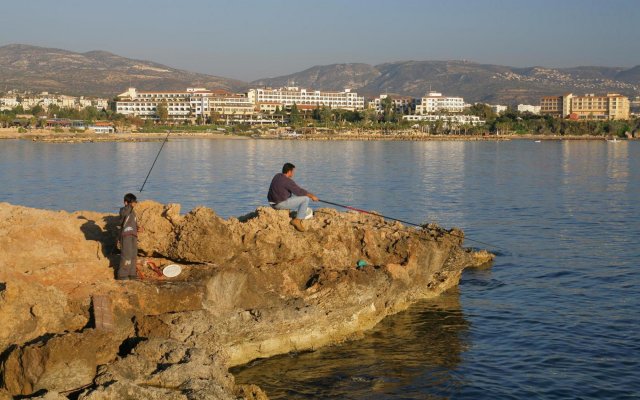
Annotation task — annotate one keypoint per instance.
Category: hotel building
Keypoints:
(434, 102)
(587, 107)
(401, 104)
(611, 106)
(453, 120)
(267, 99)
(185, 105)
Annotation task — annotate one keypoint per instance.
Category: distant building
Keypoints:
(634, 107)
(64, 123)
(288, 96)
(434, 102)
(45, 100)
(529, 108)
(612, 106)
(401, 104)
(102, 127)
(556, 106)
(498, 109)
(185, 105)
(447, 119)
(8, 102)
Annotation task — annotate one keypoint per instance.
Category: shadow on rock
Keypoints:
(106, 235)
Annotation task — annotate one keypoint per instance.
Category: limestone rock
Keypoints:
(251, 287)
(61, 363)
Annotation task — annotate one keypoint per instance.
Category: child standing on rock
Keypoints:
(128, 238)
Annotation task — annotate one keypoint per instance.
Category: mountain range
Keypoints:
(99, 73)
(94, 73)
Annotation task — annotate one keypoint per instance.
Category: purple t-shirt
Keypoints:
(282, 187)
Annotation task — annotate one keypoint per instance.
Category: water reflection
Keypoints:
(557, 316)
(618, 166)
(414, 353)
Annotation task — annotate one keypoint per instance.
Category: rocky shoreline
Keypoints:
(251, 287)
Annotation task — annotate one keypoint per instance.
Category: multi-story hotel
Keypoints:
(552, 105)
(186, 105)
(587, 107)
(434, 102)
(401, 104)
(287, 96)
(611, 106)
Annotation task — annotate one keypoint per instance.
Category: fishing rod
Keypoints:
(154, 161)
(404, 222)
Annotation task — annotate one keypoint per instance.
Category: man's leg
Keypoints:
(127, 257)
(297, 203)
(133, 268)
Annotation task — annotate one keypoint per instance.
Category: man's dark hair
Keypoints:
(287, 167)
(130, 198)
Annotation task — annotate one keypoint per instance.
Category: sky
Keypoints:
(253, 39)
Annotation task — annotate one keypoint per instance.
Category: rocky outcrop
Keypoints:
(251, 287)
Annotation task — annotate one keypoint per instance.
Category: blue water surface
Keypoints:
(556, 317)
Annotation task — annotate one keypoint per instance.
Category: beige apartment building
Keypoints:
(556, 106)
(612, 106)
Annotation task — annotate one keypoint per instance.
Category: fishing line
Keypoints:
(154, 161)
(406, 222)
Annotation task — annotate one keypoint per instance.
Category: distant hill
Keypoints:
(94, 73)
(100, 73)
(475, 82)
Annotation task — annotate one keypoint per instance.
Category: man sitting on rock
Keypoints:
(284, 194)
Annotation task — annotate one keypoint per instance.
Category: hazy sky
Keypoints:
(254, 39)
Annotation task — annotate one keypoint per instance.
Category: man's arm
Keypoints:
(298, 191)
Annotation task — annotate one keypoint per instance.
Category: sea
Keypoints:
(557, 316)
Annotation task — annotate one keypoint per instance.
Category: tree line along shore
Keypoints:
(329, 123)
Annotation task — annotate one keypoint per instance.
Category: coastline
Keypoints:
(66, 137)
(49, 136)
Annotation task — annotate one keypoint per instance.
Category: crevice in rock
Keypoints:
(312, 280)
(42, 339)
(127, 346)
(3, 357)
(74, 394)
(39, 393)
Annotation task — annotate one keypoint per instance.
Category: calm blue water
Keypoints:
(558, 315)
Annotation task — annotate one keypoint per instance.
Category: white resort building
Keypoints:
(448, 120)
(529, 108)
(401, 104)
(287, 96)
(185, 105)
(434, 102)
(192, 103)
